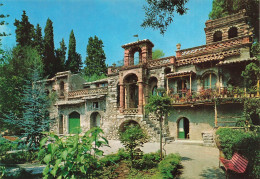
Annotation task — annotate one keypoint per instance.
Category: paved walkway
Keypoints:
(197, 161)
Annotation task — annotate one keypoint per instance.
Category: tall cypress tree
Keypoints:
(61, 56)
(50, 65)
(38, 40)
(95, 60)
(74, 62)
(24, 31)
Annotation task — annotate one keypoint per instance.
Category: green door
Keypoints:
(74, 123)
(181, 129)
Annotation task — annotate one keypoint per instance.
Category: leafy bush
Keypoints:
(244, 143)
(110, 159)
(169, 165)
(5, 145)
(73, 157)
(19, 157)
(123, 154)
(148, 161)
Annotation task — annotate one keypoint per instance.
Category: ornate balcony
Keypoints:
(211, 95)
(86, 92)
(130, 111)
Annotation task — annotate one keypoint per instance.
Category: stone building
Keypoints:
(194, 79)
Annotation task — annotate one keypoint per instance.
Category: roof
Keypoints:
(180, 74)
(234, 61)
(138, 42)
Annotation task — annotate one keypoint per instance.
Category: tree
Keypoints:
(50, 64)
(132, 137)
(74, 62)
(157, 53)
(35, 117)
(38, 40)
(95, 60)
(159, 105)
(159, 14)
(24, 31)
(61, 56)
(2, 34)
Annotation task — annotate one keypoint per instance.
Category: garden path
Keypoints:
(199, 162)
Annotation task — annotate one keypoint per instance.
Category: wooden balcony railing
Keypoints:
(208, 95)
(88, 91)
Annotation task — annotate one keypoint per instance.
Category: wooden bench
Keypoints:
(238, 163)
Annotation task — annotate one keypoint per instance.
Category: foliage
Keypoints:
(245, 143)
(38, 40)
(252, 110)
(5, 145)
(13, 74)
(251, 74)
(159, 14)
(169, 165)
(222, 8)
(2, 34)
(50, 65)
(132, 137)
(2, 171)
(157, 53)
(74, 62)
(94, 77)
(74, 156)
(24, 31)
(60, 55)
(255, 50)
(95, 60)
(35, 117)
(148, 161)
(19, 157)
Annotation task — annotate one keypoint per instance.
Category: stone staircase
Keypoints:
(154, 130)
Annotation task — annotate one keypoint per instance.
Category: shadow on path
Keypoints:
(186, 159)
(210, 173)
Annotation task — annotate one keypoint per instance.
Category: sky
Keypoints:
(113, 21)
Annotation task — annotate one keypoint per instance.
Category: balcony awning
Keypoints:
(180, 74)
(235, 61)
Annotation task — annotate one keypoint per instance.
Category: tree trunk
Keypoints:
(161, 137)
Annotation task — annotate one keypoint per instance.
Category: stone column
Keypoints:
(122, 97)
(140, 97)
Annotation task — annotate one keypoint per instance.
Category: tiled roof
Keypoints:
(227, 62)
(181, 73)
(137, 42)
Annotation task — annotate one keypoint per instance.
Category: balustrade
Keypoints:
(130, 111)
(88, 91)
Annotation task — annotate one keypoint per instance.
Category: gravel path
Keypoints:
(197, 161)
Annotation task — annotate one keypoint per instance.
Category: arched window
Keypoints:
(61, 88)
(232, 32)
(95, 120)
(209, 81)
(61, 124)
(137, 58)
(217, 36)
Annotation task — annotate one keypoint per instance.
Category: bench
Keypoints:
(238, 163)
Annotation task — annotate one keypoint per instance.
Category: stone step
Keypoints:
(189, 142)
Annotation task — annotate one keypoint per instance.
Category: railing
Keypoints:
(218, 45)
(160, 62)
(130, 111)
(88, 91)
(208, 95)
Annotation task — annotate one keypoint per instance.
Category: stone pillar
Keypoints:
(122, 97)
(140, 97)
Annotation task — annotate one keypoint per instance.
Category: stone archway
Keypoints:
(183, 128)
(131, 91)
(122, 127)
(95, 119)
(74, 123)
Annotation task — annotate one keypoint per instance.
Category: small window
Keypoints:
(95, 105)
(232, 32)
(217, 36)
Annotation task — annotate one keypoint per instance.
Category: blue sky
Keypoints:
(113, 21)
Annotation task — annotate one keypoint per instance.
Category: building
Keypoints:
(195, 78)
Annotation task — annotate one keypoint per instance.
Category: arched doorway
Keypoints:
(183, 128)
(74, 123)
(153, 85)
(61, 124)
(122, 127)
(131, 95)
(95, 120)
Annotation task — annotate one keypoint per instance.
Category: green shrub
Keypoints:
(244, 143)
(19, 157)
(147, 161)
(109, 160)
(6, 145)
(169, 165)
(123, 154)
